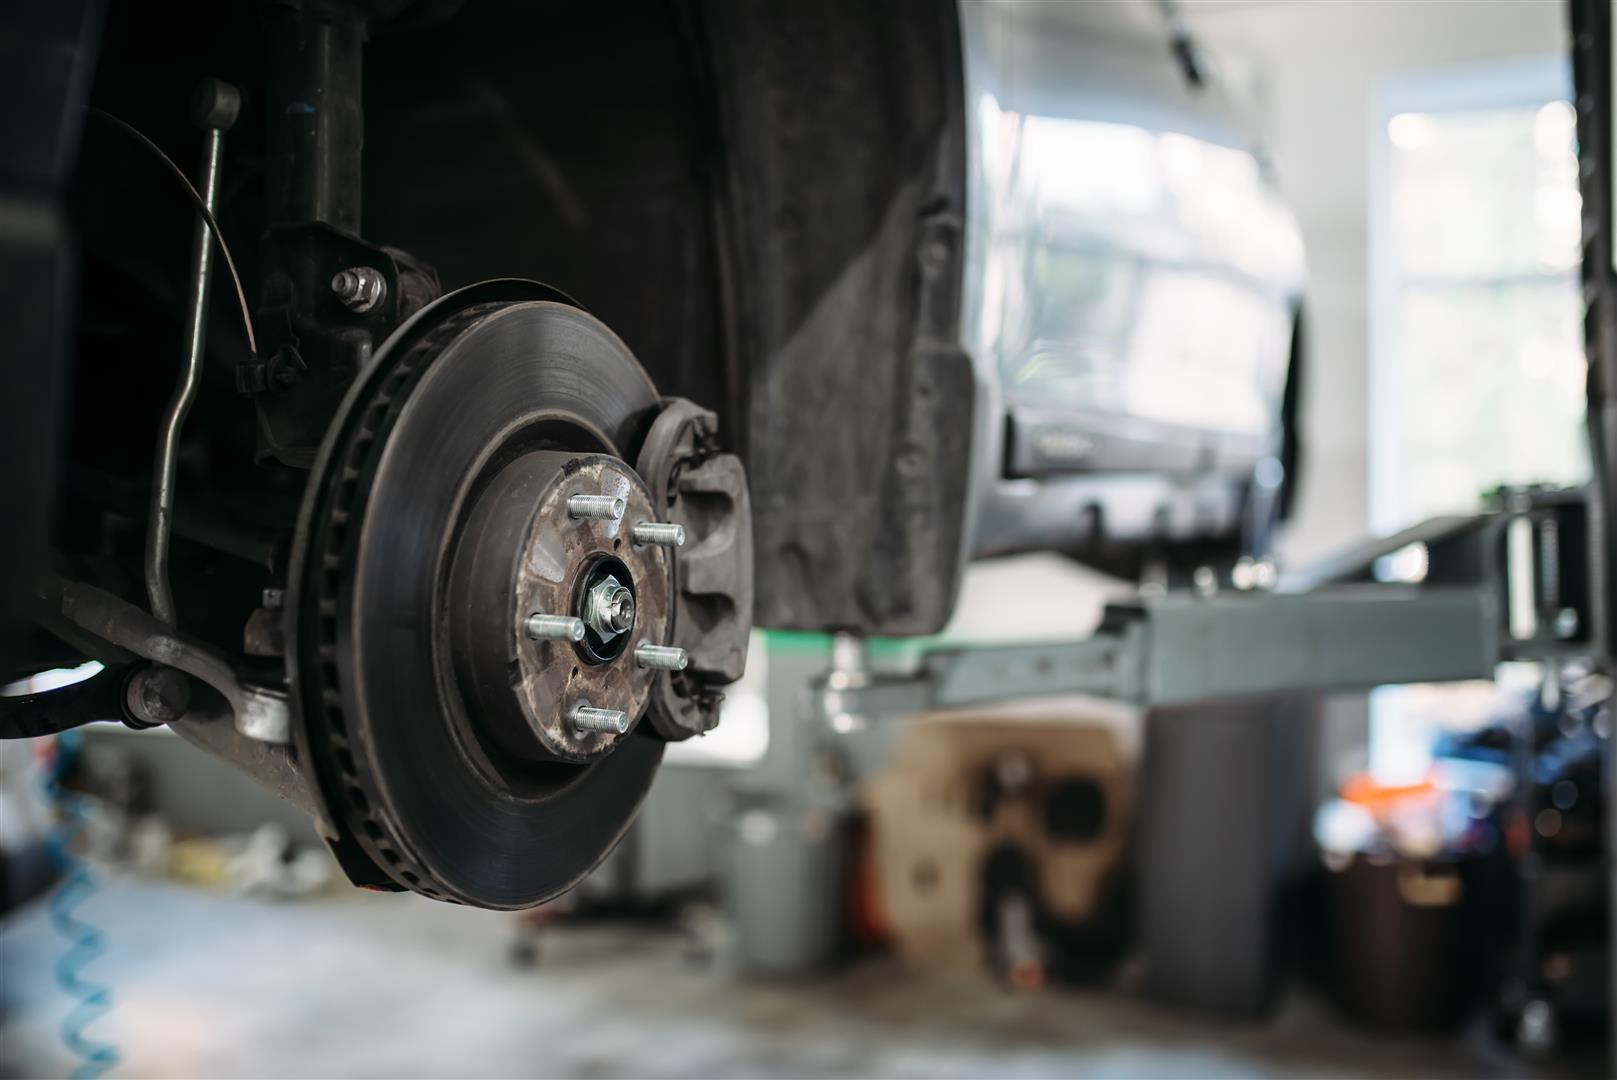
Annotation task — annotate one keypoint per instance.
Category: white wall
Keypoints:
(1314, 67)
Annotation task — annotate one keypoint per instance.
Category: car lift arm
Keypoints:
(1507, 584)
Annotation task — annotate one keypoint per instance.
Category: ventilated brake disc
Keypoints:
(470, 741)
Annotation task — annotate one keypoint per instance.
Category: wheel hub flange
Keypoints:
(523, 556)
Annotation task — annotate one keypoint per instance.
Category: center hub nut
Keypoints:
(546, 607)
(609, 608)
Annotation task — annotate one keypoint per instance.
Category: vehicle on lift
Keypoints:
(1133, 295)
(839, 296)
(442, 554)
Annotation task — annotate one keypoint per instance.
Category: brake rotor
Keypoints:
(464, 750)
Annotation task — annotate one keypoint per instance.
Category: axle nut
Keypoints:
(609, 608)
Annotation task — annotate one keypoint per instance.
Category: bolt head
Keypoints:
(361, 288)
(159, 695)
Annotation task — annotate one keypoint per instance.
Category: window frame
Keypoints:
(1524, 82)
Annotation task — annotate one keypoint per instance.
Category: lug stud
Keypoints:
(664, 533)
(667, 657)
(609, 721)
(554, 627)
(599, 507)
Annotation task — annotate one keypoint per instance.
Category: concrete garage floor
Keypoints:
(357, 984)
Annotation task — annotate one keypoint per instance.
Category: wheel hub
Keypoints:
(523, 557)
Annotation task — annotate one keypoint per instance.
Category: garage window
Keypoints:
(1477, 365)
(1478, 369)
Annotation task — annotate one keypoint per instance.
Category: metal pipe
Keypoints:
(218, 526)
(160, 520)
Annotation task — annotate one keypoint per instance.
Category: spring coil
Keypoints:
(92, 1000)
